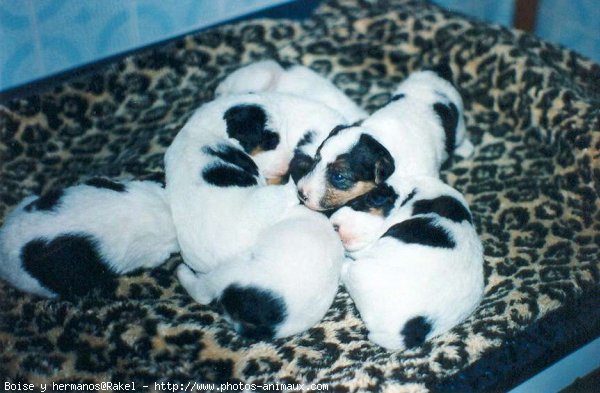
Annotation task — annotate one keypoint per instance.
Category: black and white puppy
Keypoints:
(74, 241)
(411, 136)
(268, 75)
(282, 285)
(219, 163)
(415, 266)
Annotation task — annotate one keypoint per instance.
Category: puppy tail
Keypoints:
(255, 312)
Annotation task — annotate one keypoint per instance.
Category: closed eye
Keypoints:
(377, 200)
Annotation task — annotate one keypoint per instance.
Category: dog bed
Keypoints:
(532, 112)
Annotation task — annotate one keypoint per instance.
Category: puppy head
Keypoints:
(361, 221)
(348, 164)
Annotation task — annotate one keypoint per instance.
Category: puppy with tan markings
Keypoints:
(411, 136)
(219, 163)
(415, 266)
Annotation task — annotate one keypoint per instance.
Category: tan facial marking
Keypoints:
(256, 150)
(335, 198)
(275, 180)
(376, 211)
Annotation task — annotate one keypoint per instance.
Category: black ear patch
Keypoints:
(69, 265)
(100, 182)
(448, 114)
(415, 331)
(382, 197)
(444, 206)
(300, 165)
(370, 161)
(235, 167)
(257, 311)
(49, 201)
(247, 124)
(423, 231)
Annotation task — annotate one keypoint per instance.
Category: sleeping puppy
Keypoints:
(219, 200)
(411, 136)
(269, 126)
(219, 163)
(268, 75)
(283, 285)
(75, 241)
(417, 271)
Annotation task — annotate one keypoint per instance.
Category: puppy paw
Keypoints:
(195, 284)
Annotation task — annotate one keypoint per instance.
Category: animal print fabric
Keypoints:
(532, 111)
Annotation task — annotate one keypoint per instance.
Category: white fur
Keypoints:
(298, 259)
(133, 229)
(216, 223)
(392, 282)
(289, 116)
(408, 128)
(268, 75)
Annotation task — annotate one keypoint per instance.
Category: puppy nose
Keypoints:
(302, 196)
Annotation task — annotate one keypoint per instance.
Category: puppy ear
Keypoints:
(371, 160)
(300, 165)
(384, 167)
(247, 123)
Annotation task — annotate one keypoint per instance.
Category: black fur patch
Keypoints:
(233, 156)
(100, 182)
(307, 138)
(236, 168)
(300, 165)
(258, 311)
(382, 197)
(421, 230)
(367, 161)
(444, 206)
(247, 124)
(409, 197)
(227, 176)
(69, 265)
(448, 114)
(415, 331)
(397, 97)
(49, 201)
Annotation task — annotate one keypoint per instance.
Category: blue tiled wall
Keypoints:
(42, 37)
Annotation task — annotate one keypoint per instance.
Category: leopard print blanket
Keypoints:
(532, 112)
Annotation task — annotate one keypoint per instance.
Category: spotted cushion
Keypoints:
(532, 112)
